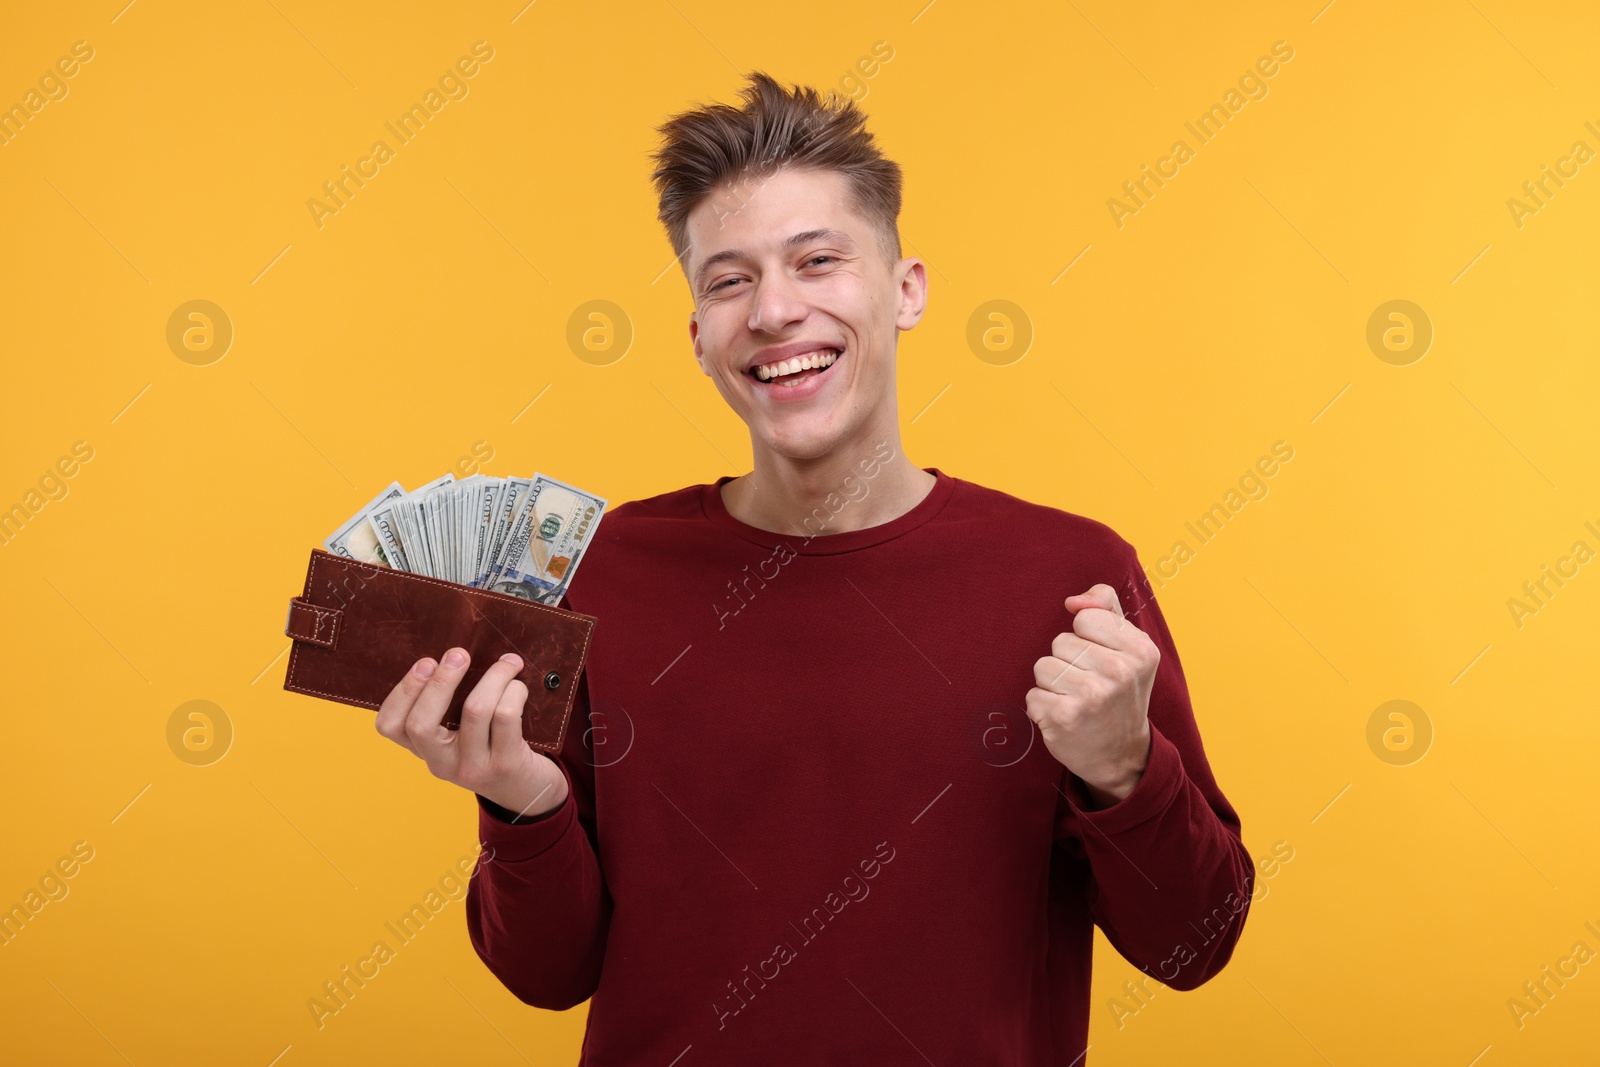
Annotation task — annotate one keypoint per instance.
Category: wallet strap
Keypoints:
(307, 622)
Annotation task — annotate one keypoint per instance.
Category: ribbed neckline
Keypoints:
(828, 544)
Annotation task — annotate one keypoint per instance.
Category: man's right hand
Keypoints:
(487, 753)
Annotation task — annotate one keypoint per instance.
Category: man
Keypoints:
(851, 777)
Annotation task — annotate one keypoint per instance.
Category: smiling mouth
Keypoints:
(790, 372)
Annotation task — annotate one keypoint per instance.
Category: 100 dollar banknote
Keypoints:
(521, 536)
(554, 525)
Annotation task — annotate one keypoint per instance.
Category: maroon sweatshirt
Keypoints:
(809, 819)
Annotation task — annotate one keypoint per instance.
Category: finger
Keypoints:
(397, 705)
(505, 733)
(1083, 654)
(1059, 676)
(1047, 709)
(1107, 628)
(422, 723)
(477, 711)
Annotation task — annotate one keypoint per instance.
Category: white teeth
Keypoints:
(768, 371)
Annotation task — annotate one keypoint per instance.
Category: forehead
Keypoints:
(754, 214)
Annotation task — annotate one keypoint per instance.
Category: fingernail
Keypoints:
(454, 658)
(425, 668)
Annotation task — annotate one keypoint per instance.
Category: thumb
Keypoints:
(1096, 596)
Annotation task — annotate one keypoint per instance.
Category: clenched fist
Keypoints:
(1091, 700)
(486, 754)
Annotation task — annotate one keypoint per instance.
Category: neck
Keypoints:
(782, 493)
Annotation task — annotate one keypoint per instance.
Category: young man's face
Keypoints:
(758, 297)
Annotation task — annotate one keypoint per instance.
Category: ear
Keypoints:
(912, 291)
(694, 337)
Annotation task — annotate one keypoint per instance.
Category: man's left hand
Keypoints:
(1091, 700)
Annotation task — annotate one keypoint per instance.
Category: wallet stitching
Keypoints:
(471, 590)
(318, 556)
(319, 615)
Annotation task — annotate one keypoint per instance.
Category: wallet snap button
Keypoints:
(552, 680)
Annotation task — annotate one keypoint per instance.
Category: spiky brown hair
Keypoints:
(706, 147)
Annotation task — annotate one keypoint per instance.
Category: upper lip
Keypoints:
(789, 351)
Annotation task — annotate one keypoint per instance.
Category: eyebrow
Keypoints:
(837, 236)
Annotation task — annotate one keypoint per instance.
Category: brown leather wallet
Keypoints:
(359, 627)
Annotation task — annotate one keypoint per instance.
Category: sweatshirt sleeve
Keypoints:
(1168, 877)
(537, 908)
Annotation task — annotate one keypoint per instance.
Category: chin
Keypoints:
(803, 446)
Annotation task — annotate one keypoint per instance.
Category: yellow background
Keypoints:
(1229, 313)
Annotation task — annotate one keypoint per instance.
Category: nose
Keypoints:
(776, 304)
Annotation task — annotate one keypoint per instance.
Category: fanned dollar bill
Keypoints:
(521, 536)
(356, 539)
(513, 494)
(553, 528)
